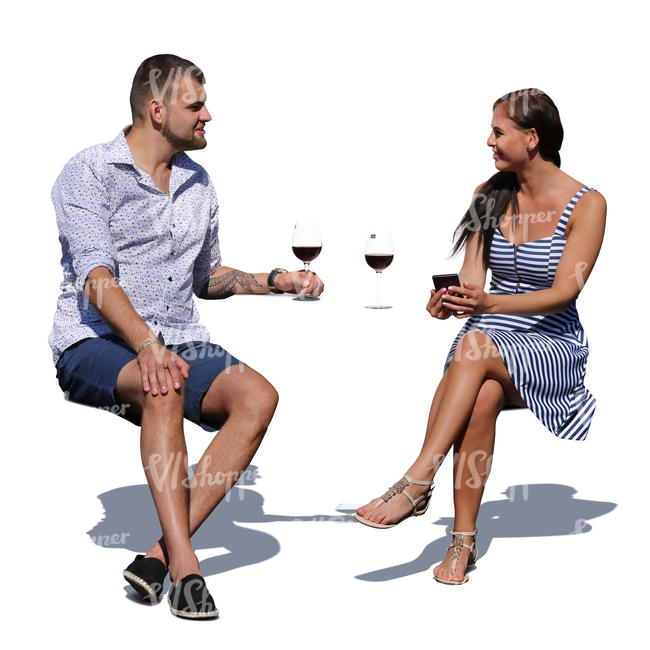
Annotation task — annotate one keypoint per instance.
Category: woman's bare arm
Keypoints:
(576, 263)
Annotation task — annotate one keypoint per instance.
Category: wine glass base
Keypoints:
(379, 306)
(306, 298)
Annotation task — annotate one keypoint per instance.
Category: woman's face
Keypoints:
(508, 141)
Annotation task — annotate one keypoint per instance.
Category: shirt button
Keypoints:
(170, 278)
(155, 322)
(167, 307)
(173, 225)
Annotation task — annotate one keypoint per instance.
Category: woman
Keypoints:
(539, 231)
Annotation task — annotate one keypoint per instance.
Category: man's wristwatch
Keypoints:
(270, 280)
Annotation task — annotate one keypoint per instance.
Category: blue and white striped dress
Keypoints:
(545, 355)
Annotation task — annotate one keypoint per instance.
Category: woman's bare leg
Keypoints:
(475, 360)
(473, 453)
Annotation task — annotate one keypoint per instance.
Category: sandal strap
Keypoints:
(412, 480)
(458, 544)
(398, 488)
(414, 502)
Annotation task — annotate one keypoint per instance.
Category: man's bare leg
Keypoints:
(164, 458)
(244, 401)
(475, 360)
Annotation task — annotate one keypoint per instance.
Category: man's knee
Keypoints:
(170, 402)
(258, 404)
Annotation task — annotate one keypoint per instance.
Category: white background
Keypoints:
(353, 113)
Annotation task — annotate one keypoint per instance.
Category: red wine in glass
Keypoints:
(307, 253)
(379, 262)
(379, 255)
(307, 245)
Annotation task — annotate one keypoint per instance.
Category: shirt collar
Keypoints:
(183, 167)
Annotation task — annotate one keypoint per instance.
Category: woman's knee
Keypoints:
(474, 347)
(489, 402)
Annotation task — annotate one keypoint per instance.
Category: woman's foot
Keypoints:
(444, 569)
(398, 506)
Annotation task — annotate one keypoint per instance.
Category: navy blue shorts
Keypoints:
(87, 373)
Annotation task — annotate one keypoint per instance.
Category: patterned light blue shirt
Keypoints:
(161, 247)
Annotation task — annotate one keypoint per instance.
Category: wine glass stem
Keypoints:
(378, 285)
(306, 266)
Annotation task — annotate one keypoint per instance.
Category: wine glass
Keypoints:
(379, 255)
(307, 245)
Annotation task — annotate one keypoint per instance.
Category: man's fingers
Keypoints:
(162, 378)
(153, 380)
(174, 375)
(183, 366)
(306, 281)
(144, 372)
(313, 285)
(296, 280)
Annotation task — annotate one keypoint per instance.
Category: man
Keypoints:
(138, 226)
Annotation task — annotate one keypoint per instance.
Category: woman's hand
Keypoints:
(435, 306)
(475, 302)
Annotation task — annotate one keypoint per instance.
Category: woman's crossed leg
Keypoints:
(456, 410)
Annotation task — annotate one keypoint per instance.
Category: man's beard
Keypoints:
(176, 141)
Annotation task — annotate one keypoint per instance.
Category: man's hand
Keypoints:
(303, 282)
(154, 361)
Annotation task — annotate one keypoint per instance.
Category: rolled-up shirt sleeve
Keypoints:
(209, 257)
(82, 216)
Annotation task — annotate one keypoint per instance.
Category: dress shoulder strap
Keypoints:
(564, 219)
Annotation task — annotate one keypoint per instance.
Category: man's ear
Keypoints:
(156, 111)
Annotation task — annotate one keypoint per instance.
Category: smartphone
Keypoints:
(447, 280)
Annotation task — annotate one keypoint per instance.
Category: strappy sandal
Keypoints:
(458, 545)
(399, 488)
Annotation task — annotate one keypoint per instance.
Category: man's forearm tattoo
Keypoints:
(228, 284)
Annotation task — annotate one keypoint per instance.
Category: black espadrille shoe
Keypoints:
(146, 575)
(191, 598)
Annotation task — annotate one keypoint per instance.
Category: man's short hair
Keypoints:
(156, 77)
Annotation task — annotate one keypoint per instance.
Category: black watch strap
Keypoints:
(270, 280)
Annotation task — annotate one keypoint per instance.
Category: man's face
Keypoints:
(186, 115)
